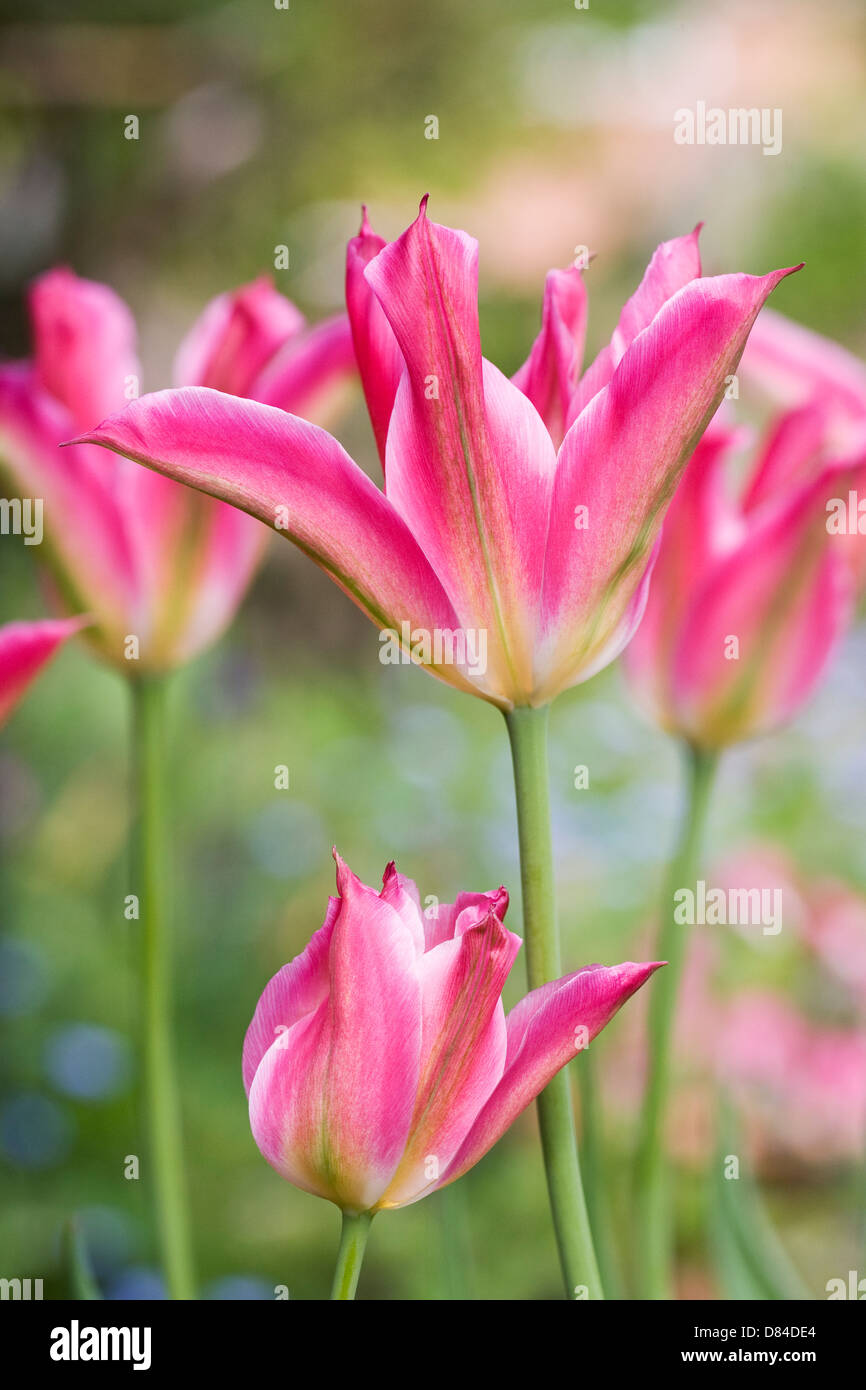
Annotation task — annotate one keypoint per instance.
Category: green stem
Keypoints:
(595, 1175)
(161, 1096)
(350, 1256)
(527, 729)
(654, 1234)
(82, 1283)
(449, 1209)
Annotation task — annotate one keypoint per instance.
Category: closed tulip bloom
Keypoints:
(380, 1064)
(751, 593)
(25, 648)
(511, 546)
(148, 559)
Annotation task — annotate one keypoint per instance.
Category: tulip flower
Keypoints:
(750, 595)
(380, 1065)
(510, 550)
(483, 526)
(25, 648)
(161, 569)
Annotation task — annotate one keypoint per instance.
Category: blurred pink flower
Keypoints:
(836, 932)
(800, 1085)
(380, 1064)
(793, 366)
(518, 515)
(25, 648)
(750, 595)
(150, 560)
(798, 1082)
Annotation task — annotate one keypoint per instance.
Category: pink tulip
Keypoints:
(517, 516)
(24, 649)
(149, 559)
(750, 594)
(380, 1064)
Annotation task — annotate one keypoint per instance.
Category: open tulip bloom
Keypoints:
(380, 1065)
(510, 550)
(25, 648)
(524, 510)
(160, 569)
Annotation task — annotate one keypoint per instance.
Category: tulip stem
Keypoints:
(595, 1175)
(654, 1226)
(527, 730)
(350, 1256)
(161, 1095)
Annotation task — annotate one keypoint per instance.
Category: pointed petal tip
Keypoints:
(94, 436)
(346, 877)
(365, 229)
(422, 206)
(777, 275)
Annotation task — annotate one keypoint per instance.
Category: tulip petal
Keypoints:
(783, 597)
(795, 365)
(295, 991)
(545, 1031)
(792, 453)
(297, 479)
(206, 578)
(401, 893)
(305, 375)
(673, 265)
(468, 910)
(469, 463)
(331, 1102)
(87, 539)
(622, 460)
(380, 361)
(233, 339)
(84, 345)
(701, 524)
(462, 1050)
(24, 649)
(550, 374)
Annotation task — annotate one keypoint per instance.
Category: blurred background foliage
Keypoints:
(261, 127)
